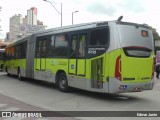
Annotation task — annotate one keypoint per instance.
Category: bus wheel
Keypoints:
(63, 82)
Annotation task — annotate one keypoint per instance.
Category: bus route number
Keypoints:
(90, 51)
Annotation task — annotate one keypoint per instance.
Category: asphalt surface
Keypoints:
(18, 95)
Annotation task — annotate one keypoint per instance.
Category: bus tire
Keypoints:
(63, 82)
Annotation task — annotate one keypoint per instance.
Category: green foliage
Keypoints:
(157, 49)
(155, 35)
(154, 31)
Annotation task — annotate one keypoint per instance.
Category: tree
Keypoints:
(154, 31)
(155, 34)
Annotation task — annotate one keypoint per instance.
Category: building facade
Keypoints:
(25, 20)
(20, 27)
(32, 16)
(29, 29)
(15, 22)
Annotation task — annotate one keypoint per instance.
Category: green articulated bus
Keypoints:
(106, 57)
(2, 55)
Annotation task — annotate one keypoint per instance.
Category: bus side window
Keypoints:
(41, 47)
(74, 39)
(51, 46)
(99, 37)
(82, 45)
(23, 49)
(61, 45)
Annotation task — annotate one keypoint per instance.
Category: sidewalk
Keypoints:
(8, 104)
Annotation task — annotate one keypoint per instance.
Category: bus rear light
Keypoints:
(118, 68)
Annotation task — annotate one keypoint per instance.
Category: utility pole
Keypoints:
(72, 15)
(55, 9)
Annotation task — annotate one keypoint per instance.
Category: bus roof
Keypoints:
(74, 28)
(18, 41)
(86, 26)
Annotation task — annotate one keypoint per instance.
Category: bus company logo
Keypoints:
(72, 66)
(6, 114)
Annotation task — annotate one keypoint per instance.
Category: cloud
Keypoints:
(101, 8)
(111, 7)
(135, 6)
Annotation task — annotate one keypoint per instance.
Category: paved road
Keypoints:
(48, 97)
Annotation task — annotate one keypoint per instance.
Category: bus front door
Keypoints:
(77, 62)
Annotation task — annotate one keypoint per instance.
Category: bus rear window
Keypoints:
(137, 52)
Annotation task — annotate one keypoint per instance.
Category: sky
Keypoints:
(137, 11)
